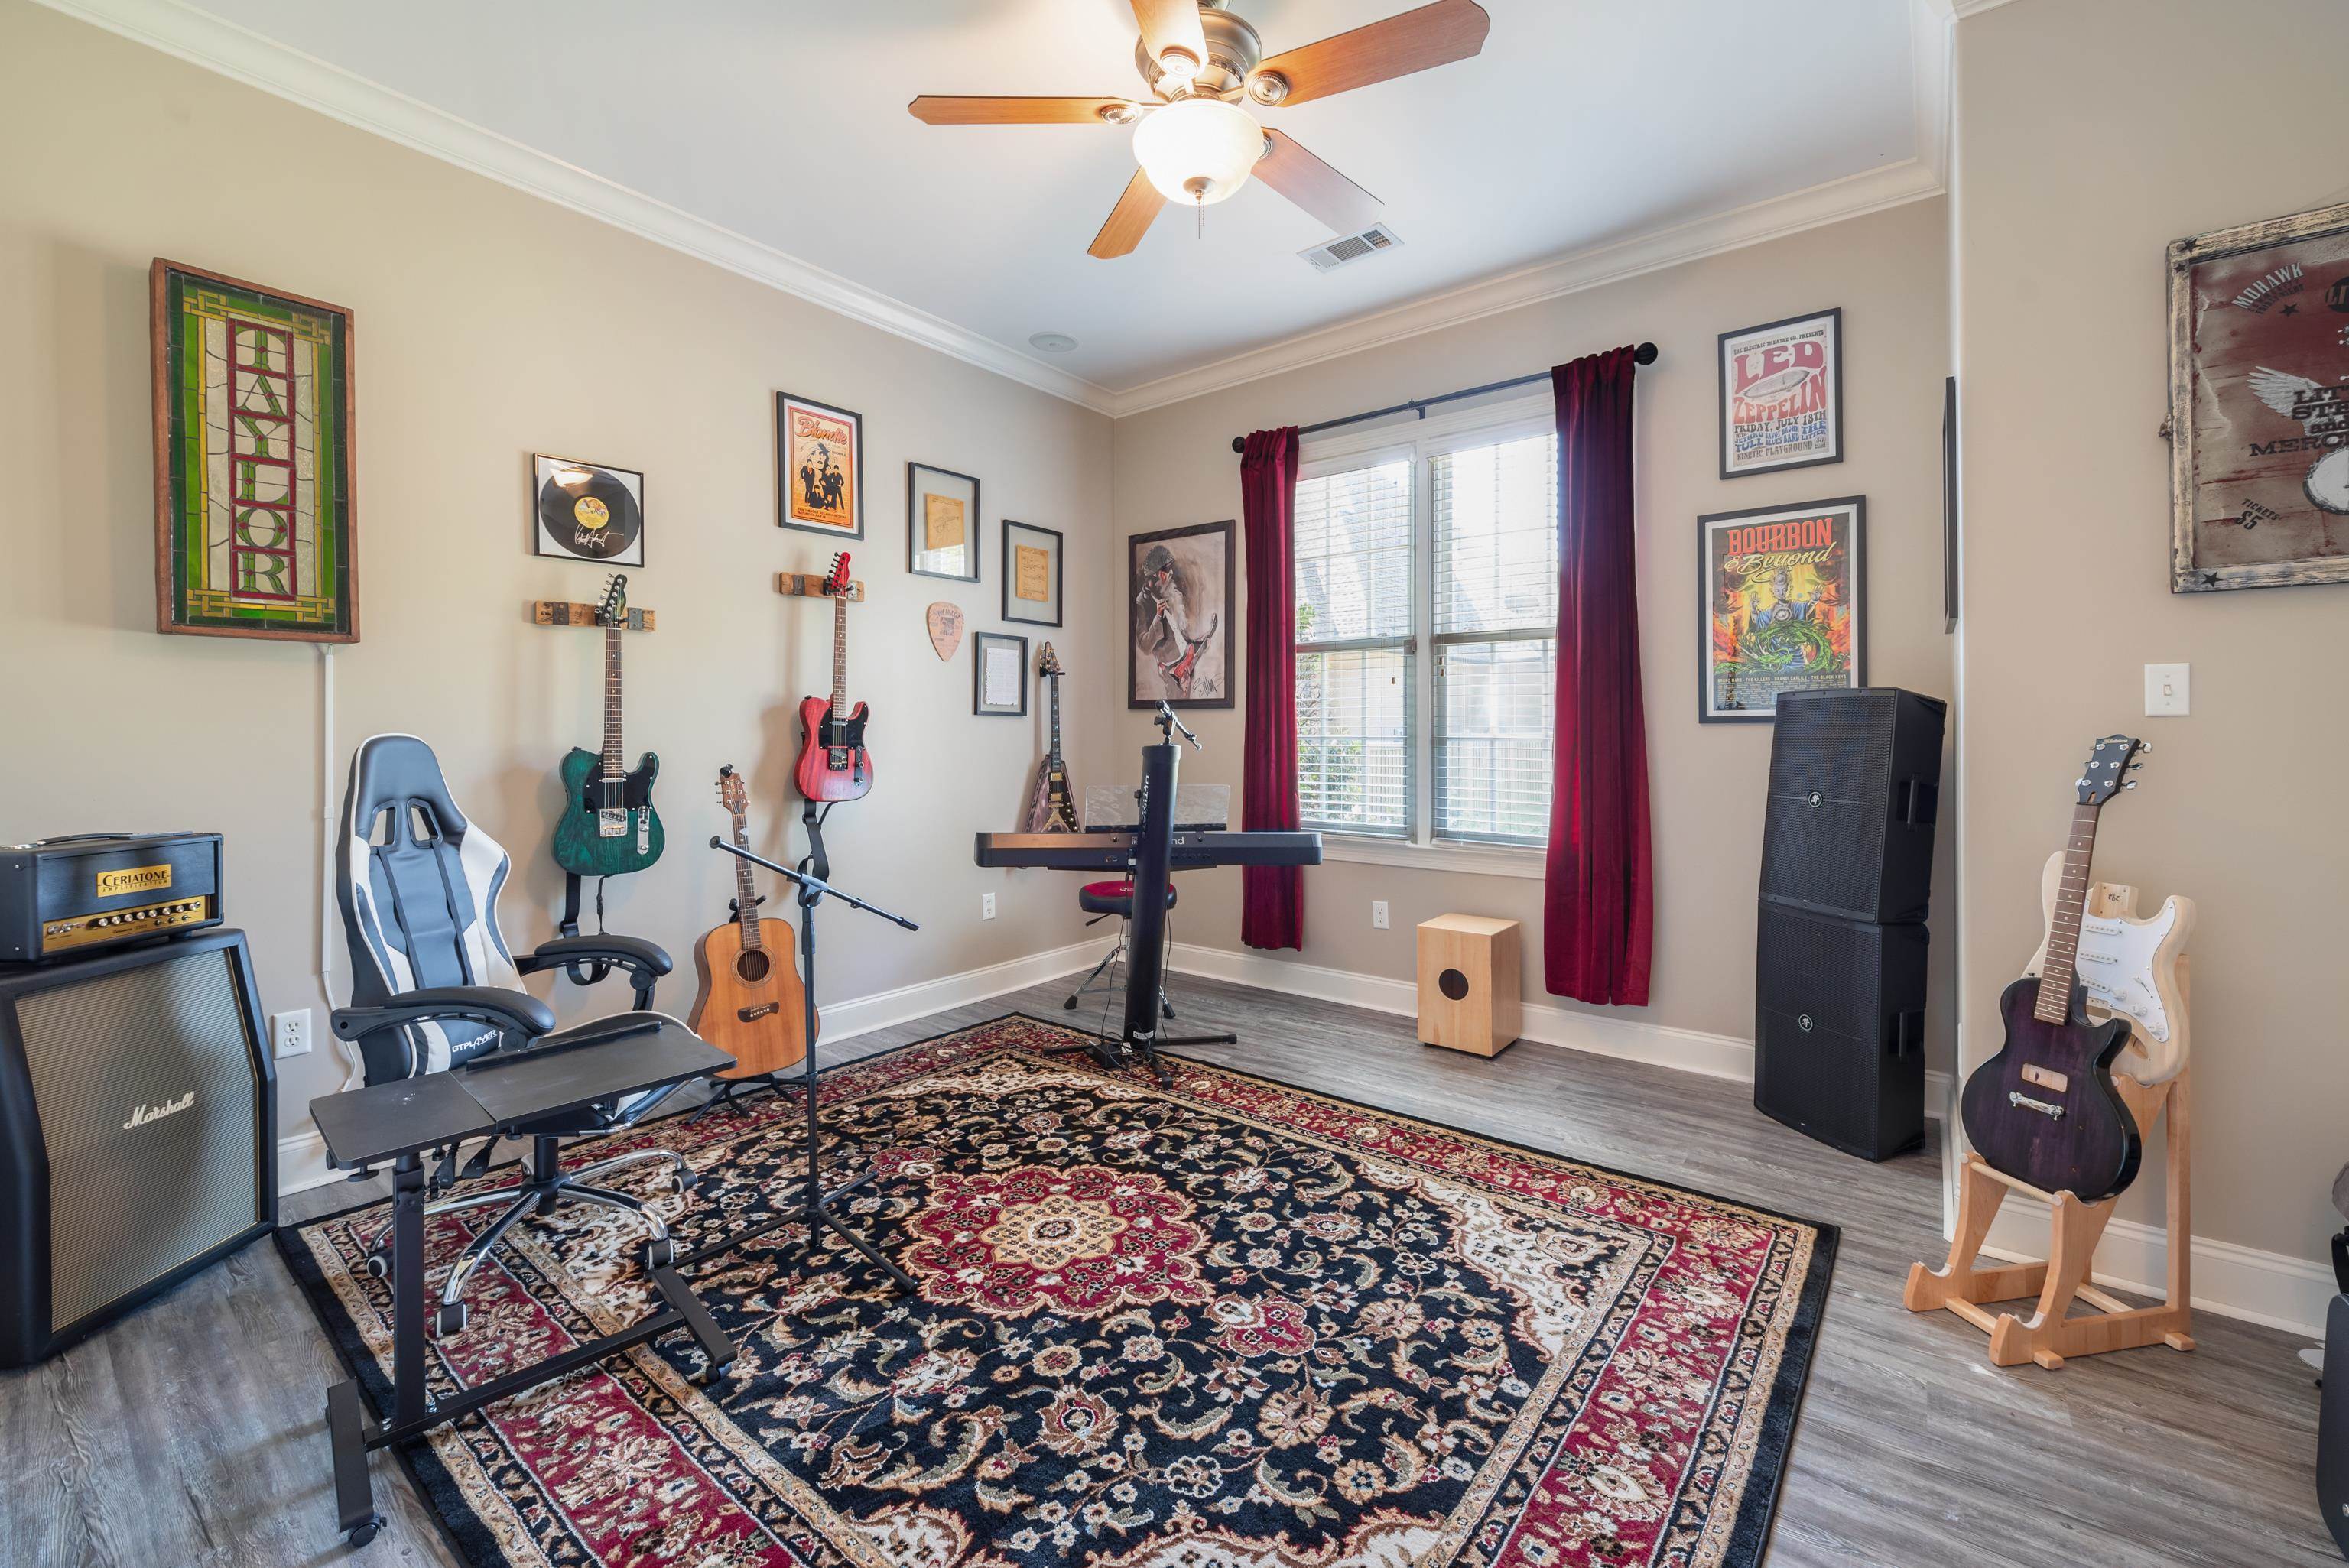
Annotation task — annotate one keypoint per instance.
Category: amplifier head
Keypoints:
(65, 897)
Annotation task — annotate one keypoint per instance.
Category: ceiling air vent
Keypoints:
(1334, 253)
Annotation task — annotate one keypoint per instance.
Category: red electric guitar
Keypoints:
(834, 764)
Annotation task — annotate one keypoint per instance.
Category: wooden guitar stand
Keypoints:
(2050, 1334)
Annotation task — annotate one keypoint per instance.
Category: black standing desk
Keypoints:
(398, 1122)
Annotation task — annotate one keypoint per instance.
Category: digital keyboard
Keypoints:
(1188, 850)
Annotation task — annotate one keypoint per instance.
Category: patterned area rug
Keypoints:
(1232, 1324)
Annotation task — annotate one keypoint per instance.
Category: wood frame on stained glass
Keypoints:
(254, 527)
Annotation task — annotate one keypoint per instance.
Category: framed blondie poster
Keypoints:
(2259, 404)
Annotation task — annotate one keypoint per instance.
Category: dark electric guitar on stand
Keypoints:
(1050, 808)
(834, 764)
(750, 1005)
(2044, 1110)
(608, 826)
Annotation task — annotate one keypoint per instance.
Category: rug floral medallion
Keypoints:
(1228, 1324)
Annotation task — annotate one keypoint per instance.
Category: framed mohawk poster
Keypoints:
(1784, 593)
(252, 460)
(2258, 405)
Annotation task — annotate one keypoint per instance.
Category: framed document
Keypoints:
(999, 674)
(941, 523)
(1031, 574)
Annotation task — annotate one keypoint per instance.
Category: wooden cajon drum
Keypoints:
(1468, 997)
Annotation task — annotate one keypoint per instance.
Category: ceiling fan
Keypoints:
(1196, 141)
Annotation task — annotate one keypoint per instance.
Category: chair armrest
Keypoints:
(492, 1004)
(625, 952)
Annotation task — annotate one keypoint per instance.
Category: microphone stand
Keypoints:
(815, 1206)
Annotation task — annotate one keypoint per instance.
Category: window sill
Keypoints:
(1477, 860)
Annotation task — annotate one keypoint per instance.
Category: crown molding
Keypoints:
(235, 52)
(1961, 9)
(1911, 179)
(242, 55)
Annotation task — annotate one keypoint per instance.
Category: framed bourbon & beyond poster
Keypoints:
(2258, 405)
(1785, 591)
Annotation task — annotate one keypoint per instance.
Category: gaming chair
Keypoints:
(434, 986)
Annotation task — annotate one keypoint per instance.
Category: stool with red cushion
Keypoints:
(1101, 900)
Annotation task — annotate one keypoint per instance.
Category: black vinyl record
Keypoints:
(590, 513)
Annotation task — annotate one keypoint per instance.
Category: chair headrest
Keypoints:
(392, 771)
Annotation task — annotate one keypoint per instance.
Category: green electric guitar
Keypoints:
(609, 827)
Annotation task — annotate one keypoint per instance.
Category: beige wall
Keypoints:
(1175, 465)
(490, 324)
(2085, 147)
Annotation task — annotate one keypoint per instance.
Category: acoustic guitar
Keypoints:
(608, 826)
(2043, 1109)
(751, 1003)
(1050, 808)
(834, 764)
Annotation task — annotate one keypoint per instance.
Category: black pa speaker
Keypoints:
(2333, 1426)
(138, 1110)
(1855, 787)
(1839, 1030)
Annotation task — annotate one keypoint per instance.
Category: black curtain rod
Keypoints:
(1643, 355)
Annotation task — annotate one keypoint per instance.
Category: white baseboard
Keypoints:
(302, 1156)
(2269, 1288)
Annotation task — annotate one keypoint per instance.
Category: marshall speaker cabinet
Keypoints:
(1846, 879)
(137, 1130)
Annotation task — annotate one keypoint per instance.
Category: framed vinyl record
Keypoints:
(587, 512)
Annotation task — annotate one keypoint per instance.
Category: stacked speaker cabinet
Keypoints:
(1847, 880)
(137, 1131)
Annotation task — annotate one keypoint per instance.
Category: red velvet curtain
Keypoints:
(1597, 899)
(1272, 898)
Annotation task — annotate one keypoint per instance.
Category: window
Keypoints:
(1426, 622)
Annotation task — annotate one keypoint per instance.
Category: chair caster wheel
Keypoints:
(451, 1318)
(710, 1376)
(358, 1535)
(379, 1266)
(684, 1181)
(659, 1255)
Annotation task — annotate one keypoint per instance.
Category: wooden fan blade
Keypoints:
(1432, 36)
(933, 110)
(1172, 25)
(1313, 185)
(1129, 220)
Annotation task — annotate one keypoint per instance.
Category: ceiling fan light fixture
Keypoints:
(1198, 150)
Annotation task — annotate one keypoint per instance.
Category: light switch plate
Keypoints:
(2166, 690)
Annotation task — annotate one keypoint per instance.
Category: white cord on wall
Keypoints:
(354, 1068)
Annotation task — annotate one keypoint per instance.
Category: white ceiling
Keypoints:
(1582, 125)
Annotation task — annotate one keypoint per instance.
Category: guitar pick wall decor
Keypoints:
(946, 628)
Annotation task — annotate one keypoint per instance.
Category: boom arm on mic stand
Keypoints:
(1168, 725)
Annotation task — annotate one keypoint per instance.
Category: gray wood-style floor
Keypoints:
(190, 1432)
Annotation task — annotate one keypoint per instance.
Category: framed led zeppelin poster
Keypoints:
(1782, 395)
(1785, 591)
(252, 460)
(2258, 405)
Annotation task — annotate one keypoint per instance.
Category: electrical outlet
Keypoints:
(1378, 914)
(987, 906)
(289, 1033)
(2166, 689)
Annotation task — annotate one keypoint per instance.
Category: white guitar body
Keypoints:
(2130, 967)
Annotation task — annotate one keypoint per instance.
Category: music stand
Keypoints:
(816, 1207)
